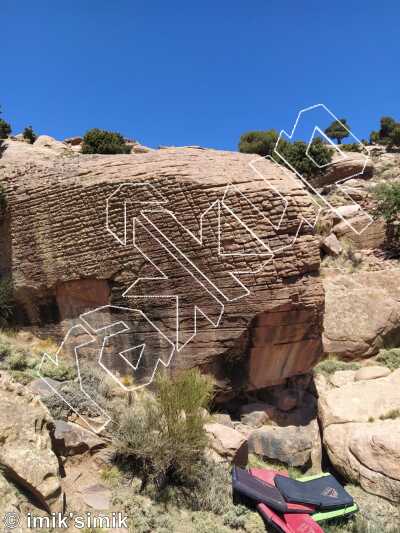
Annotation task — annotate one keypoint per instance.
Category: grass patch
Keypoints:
(390, 358)
(391, 415)
(332, 364)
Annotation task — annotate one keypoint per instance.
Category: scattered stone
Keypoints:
(74, 141)
(224, 419)
(371, 372)
(228, 443)
(331, 245)
(345, 211)
(71, 439)
(292, 445)
(41, 387)
(45, 141)
(98, 497)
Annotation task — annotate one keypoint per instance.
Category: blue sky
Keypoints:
(185, 72)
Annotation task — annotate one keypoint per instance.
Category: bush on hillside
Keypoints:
(263, 143)
(390, 358)
(258, 142)
(351, 147)
(163, 437)
(388, 201)
(29, 134)
(296, 155)
(98, 141)
(5, 129)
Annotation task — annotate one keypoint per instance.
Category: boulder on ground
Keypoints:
(371, 372)
(353, 165)
(228, 443)
(98, 497)
(361, 432)
(292, 445)
(26, 450)
(362, 313)
(331, 245)
(45, 141)
(71, 439)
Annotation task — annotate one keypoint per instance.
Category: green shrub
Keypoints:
(98, 141)
(5, 129)
(111, 475)
(75, 397)
(332, 365)
(390, 358)
(258, 142)
(388, 200)
(6, 301)
(164, 436)
(204, 522)
(296, 155)
(17, 361)
(5, 350)
(209, 489)
(63, 371)
(351, 147)
(391, 415)
(263, 143)
(29, 134)
(236, 517)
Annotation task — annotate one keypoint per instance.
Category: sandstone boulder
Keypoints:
(71, 439)
(45, 141)
(371, 372)
(26, 450)
(362, 313)
(331, 245)
(362, 232)
(361, 432)
(228, 443)
(353, 165)
(251, 321)
(292, 445)
(360, 401)
(345, 211)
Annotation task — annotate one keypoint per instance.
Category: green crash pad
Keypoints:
(320, 516)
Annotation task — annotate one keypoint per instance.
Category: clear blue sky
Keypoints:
(185, 72)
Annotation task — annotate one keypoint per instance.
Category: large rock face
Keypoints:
(362, 313)
(225, 275)
(361, 431)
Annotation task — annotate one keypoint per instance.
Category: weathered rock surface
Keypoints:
(228, 443)
(354, 165)
(362, 313)
(331, 245)
(45, 141)
(8, 502)
(362, 232)
(292, 445)
(97, 497)
(71, 439)
(65, 262)
(371, 372)
(361, 432)
(25, 452)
